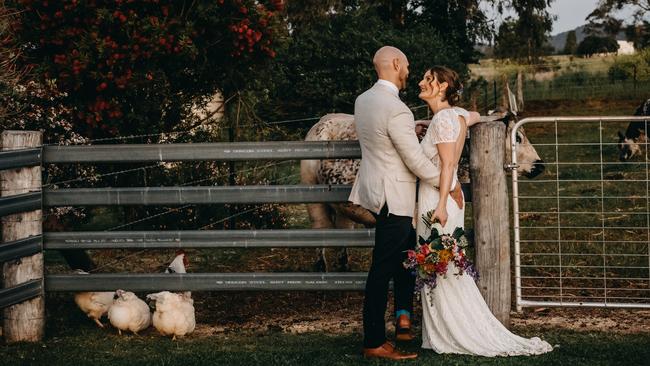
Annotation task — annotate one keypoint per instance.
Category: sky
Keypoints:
(570, 14)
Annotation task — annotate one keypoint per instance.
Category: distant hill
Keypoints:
(559, 40)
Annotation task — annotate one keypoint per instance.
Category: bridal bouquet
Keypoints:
(432, 256)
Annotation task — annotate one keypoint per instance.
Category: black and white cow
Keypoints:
(629, 144)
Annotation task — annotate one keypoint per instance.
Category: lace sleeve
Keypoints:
(463, 113)
(445, 127)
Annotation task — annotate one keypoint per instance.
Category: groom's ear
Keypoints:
(396, 64)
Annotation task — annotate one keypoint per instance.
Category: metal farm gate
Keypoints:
(581, 229)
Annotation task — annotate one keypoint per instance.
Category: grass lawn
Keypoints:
(90, 346)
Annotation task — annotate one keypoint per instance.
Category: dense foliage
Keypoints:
(571, 43)
(593, 44)
(606, 19)
(329, 63)
(138, 66)
(525, 38)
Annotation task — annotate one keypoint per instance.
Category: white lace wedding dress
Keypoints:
(456, 319)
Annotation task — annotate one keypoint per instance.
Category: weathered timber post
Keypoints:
(491, 216)
(505, 96)
(23, 321)
(520, 91)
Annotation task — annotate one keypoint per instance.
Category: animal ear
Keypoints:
(620, 135)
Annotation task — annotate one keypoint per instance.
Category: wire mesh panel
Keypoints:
(582, 229)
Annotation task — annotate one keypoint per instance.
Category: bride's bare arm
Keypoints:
(447, 152)
(474, 118)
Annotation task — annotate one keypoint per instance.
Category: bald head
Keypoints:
(391, 64)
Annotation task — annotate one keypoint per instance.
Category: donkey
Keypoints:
(340, 126)
(636, 134)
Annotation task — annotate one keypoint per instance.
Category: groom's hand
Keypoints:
(457, 195)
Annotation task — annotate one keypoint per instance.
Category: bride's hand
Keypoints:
(421, 129)
(440, 215)
(457, 195)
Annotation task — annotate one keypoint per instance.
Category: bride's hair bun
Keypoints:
(454, 90)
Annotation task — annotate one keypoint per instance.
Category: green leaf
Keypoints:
(422, 241)
(437, 244)
(458, 233)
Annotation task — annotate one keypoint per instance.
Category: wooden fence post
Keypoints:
(505, 101)
(24, 321)
(520, 91)
(491, 216)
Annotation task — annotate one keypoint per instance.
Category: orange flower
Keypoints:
(420, 258)
(445, 255)
(429, 267)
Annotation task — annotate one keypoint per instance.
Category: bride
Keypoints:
(456, 318)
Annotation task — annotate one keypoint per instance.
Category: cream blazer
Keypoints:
(391, 156)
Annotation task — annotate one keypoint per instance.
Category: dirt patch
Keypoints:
(623, 321)
(340, 313)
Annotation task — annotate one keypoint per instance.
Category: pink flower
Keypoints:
(425, 249)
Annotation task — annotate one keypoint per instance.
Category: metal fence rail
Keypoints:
(19, 293)
(201, 195)
(196, 195)
(582, 231)
(207, 282)
(20, 203)
(13, 159)
(20, 248)
(222, 151)
(296, 238)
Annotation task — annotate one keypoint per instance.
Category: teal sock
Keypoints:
(398, 313)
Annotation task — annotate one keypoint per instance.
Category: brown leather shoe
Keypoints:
(403, 329)
(387, 351)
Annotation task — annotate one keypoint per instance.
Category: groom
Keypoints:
(391, 161)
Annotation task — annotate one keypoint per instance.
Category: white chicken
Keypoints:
(128, 312)
(178, 266)
(94, 304)
(174, 315)
(179, 263)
